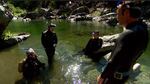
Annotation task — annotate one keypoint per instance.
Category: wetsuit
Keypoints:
(31, 68)
(129, 47)
(92, 46)
(49, 41)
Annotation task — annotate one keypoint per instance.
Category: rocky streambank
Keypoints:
(5, 17)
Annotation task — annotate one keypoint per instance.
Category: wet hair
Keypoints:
(31, 53)
(134, 10)
(95, 32)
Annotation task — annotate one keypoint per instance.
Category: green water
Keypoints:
(68, 68)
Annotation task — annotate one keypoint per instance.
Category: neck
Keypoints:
(130, 21)
(50, 30)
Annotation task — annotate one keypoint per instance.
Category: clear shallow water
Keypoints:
(68, 68)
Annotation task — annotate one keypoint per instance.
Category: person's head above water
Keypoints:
(127, 13)
(95, 34)
(31, 53)
(51, 27)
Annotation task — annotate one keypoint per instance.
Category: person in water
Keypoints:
(128, 47)
(94, 44)
(30, 66)
(49, 42)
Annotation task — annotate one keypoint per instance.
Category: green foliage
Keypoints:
(17, 11)
(7, 35)
(29, 5)
(22, 6)
(53, 4)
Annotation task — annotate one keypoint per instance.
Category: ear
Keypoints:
(127, 13)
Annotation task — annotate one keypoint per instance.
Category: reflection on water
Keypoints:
(74, 72)
(68, 68)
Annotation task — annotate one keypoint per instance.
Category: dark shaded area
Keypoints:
(43, 78)
(29, 5)
(7, 43)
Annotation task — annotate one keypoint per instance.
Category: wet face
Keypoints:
(31, 55)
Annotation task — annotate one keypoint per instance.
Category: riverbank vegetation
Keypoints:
(17, 11)
(60, 7)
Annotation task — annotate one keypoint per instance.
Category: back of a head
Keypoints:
(95, 33)
(135, 11)
(51, 25)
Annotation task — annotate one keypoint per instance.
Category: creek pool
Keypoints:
(68, 67)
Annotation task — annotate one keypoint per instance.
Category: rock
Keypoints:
(49, 15)
(82, 9)
(5, 17)
(62, 17)
(43, 10)
(14, 18)
(97, 18)
(32, 15)
(108, 42)
(80, 17)
(112, 22)
(21, 37)
(13, 41)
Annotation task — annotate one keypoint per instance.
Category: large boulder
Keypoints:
(82, 9)
(32, 15)
(109, 42)
(13, 40)
(5, 17)
(107, 47)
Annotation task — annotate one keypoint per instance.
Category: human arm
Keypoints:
(87, 48)
(20, 65)
(43, 39)
(40, 64)
(55, 40)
